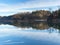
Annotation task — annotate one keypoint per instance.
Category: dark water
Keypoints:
(37, 33)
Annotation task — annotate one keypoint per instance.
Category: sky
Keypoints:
(10, 7)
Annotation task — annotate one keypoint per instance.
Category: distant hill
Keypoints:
(30, 17)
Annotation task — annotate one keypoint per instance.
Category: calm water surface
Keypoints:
(29, 34)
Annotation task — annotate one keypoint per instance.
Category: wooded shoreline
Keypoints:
(41, 15)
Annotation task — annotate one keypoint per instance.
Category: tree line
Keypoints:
(32, 16)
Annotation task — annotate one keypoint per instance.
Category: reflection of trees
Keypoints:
(54, 25)
(50, 30)
(21, 24)
(35, 25)
(40, 25)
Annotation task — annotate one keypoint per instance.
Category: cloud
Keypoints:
(21, 7)
(11, 42)
(37, 3)
(32, 34)
(7, 41)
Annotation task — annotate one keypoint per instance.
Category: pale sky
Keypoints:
(9, 7)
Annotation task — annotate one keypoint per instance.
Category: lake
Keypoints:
(39, 33)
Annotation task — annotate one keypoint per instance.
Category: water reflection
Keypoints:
(11, 35)
(50, 27)
(35, 25)
(36, 33)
